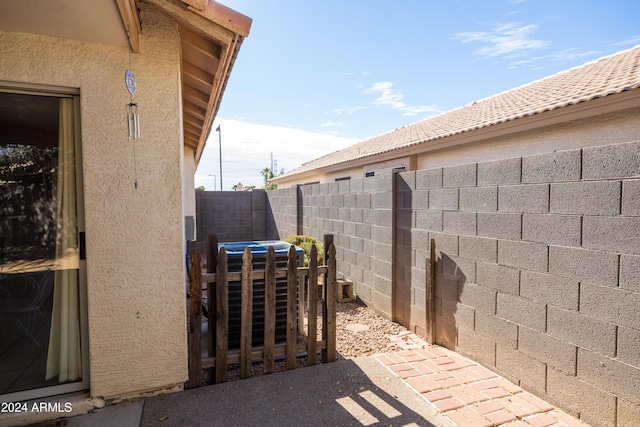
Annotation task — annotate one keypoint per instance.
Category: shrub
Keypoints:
(305, 242)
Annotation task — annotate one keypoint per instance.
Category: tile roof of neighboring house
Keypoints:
(609, 75)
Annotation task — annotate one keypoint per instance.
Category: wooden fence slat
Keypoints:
(222, 317)
(195, 321)
(212, 264)
(329, 308)
(219, 355)
(292, 287)
(260, 274)
(431, 295)
(246, 314)
(270, 311)
(312, 322)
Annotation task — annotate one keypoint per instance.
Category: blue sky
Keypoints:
(317, 76)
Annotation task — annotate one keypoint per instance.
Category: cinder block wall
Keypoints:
(231, 215)
(537, 270)
(359, 213)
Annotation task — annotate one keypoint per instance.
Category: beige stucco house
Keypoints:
(105, 107)
(590, 105)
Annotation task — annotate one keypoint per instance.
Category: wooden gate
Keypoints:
(297, 278)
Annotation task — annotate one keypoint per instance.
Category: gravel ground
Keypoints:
(359, 332)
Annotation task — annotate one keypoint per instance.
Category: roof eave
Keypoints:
(225, 30)
(579, 111)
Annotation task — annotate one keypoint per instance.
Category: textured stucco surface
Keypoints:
(135, 263)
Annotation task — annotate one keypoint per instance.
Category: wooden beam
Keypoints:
(194, 19)
(131, 22)
(195, 96)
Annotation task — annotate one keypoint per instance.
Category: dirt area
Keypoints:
(359, 330)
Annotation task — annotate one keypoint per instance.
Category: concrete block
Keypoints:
(628, 413)
(427, 179)
(526, 255)
(550, 289)
(611, 161)
(610, 375)
(497, 330)
(382, 200)
(460, 269)
(629, 346)
(445, 199)
(478, 248)
(630, 272)
(363, 200)
(356, 185)
(507, 171)
(406, 181)
(453, 312)
(498, 277)
(459, 223)
(610, 304)
(528, 198)
(479, 297)
(480, 348)
(522, 311)
(586, 197)
(631, 197)
(446, 334)
(479, 199)
(446, 288)
(363, 231)
(500, 225)
(345, 291)
(584, 265)
(616, 234)
(593, 404)
(445, 243)
(459, 176)
(552, 167)
(420, 200)
(429, 220)
(384, 183)
(561, 230)
(420, 240)
(530, 372)
(350, 200)
(555, 353)
(383, 217)
(356, 214)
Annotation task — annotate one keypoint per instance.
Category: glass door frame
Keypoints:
(83, 384)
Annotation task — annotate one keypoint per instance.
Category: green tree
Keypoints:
(267, 175)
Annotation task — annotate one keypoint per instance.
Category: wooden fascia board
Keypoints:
(224, 16)
(131, 22)
(194, 20)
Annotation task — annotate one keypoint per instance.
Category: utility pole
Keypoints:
(220, 147)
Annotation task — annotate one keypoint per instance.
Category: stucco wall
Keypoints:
(537, 269)
(135, 264)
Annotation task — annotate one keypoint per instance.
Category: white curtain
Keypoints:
(64, 356)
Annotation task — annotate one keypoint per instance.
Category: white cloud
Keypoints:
(346, 110)
(247, 149)
(388, 96)
(331, 123)
(504, 39)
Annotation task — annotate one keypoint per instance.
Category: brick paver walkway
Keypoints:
(465, 392)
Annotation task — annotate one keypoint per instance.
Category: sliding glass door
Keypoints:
(42, 292)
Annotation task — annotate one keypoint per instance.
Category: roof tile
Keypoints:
(606, 76)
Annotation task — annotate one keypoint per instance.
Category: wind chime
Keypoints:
(133, 119)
